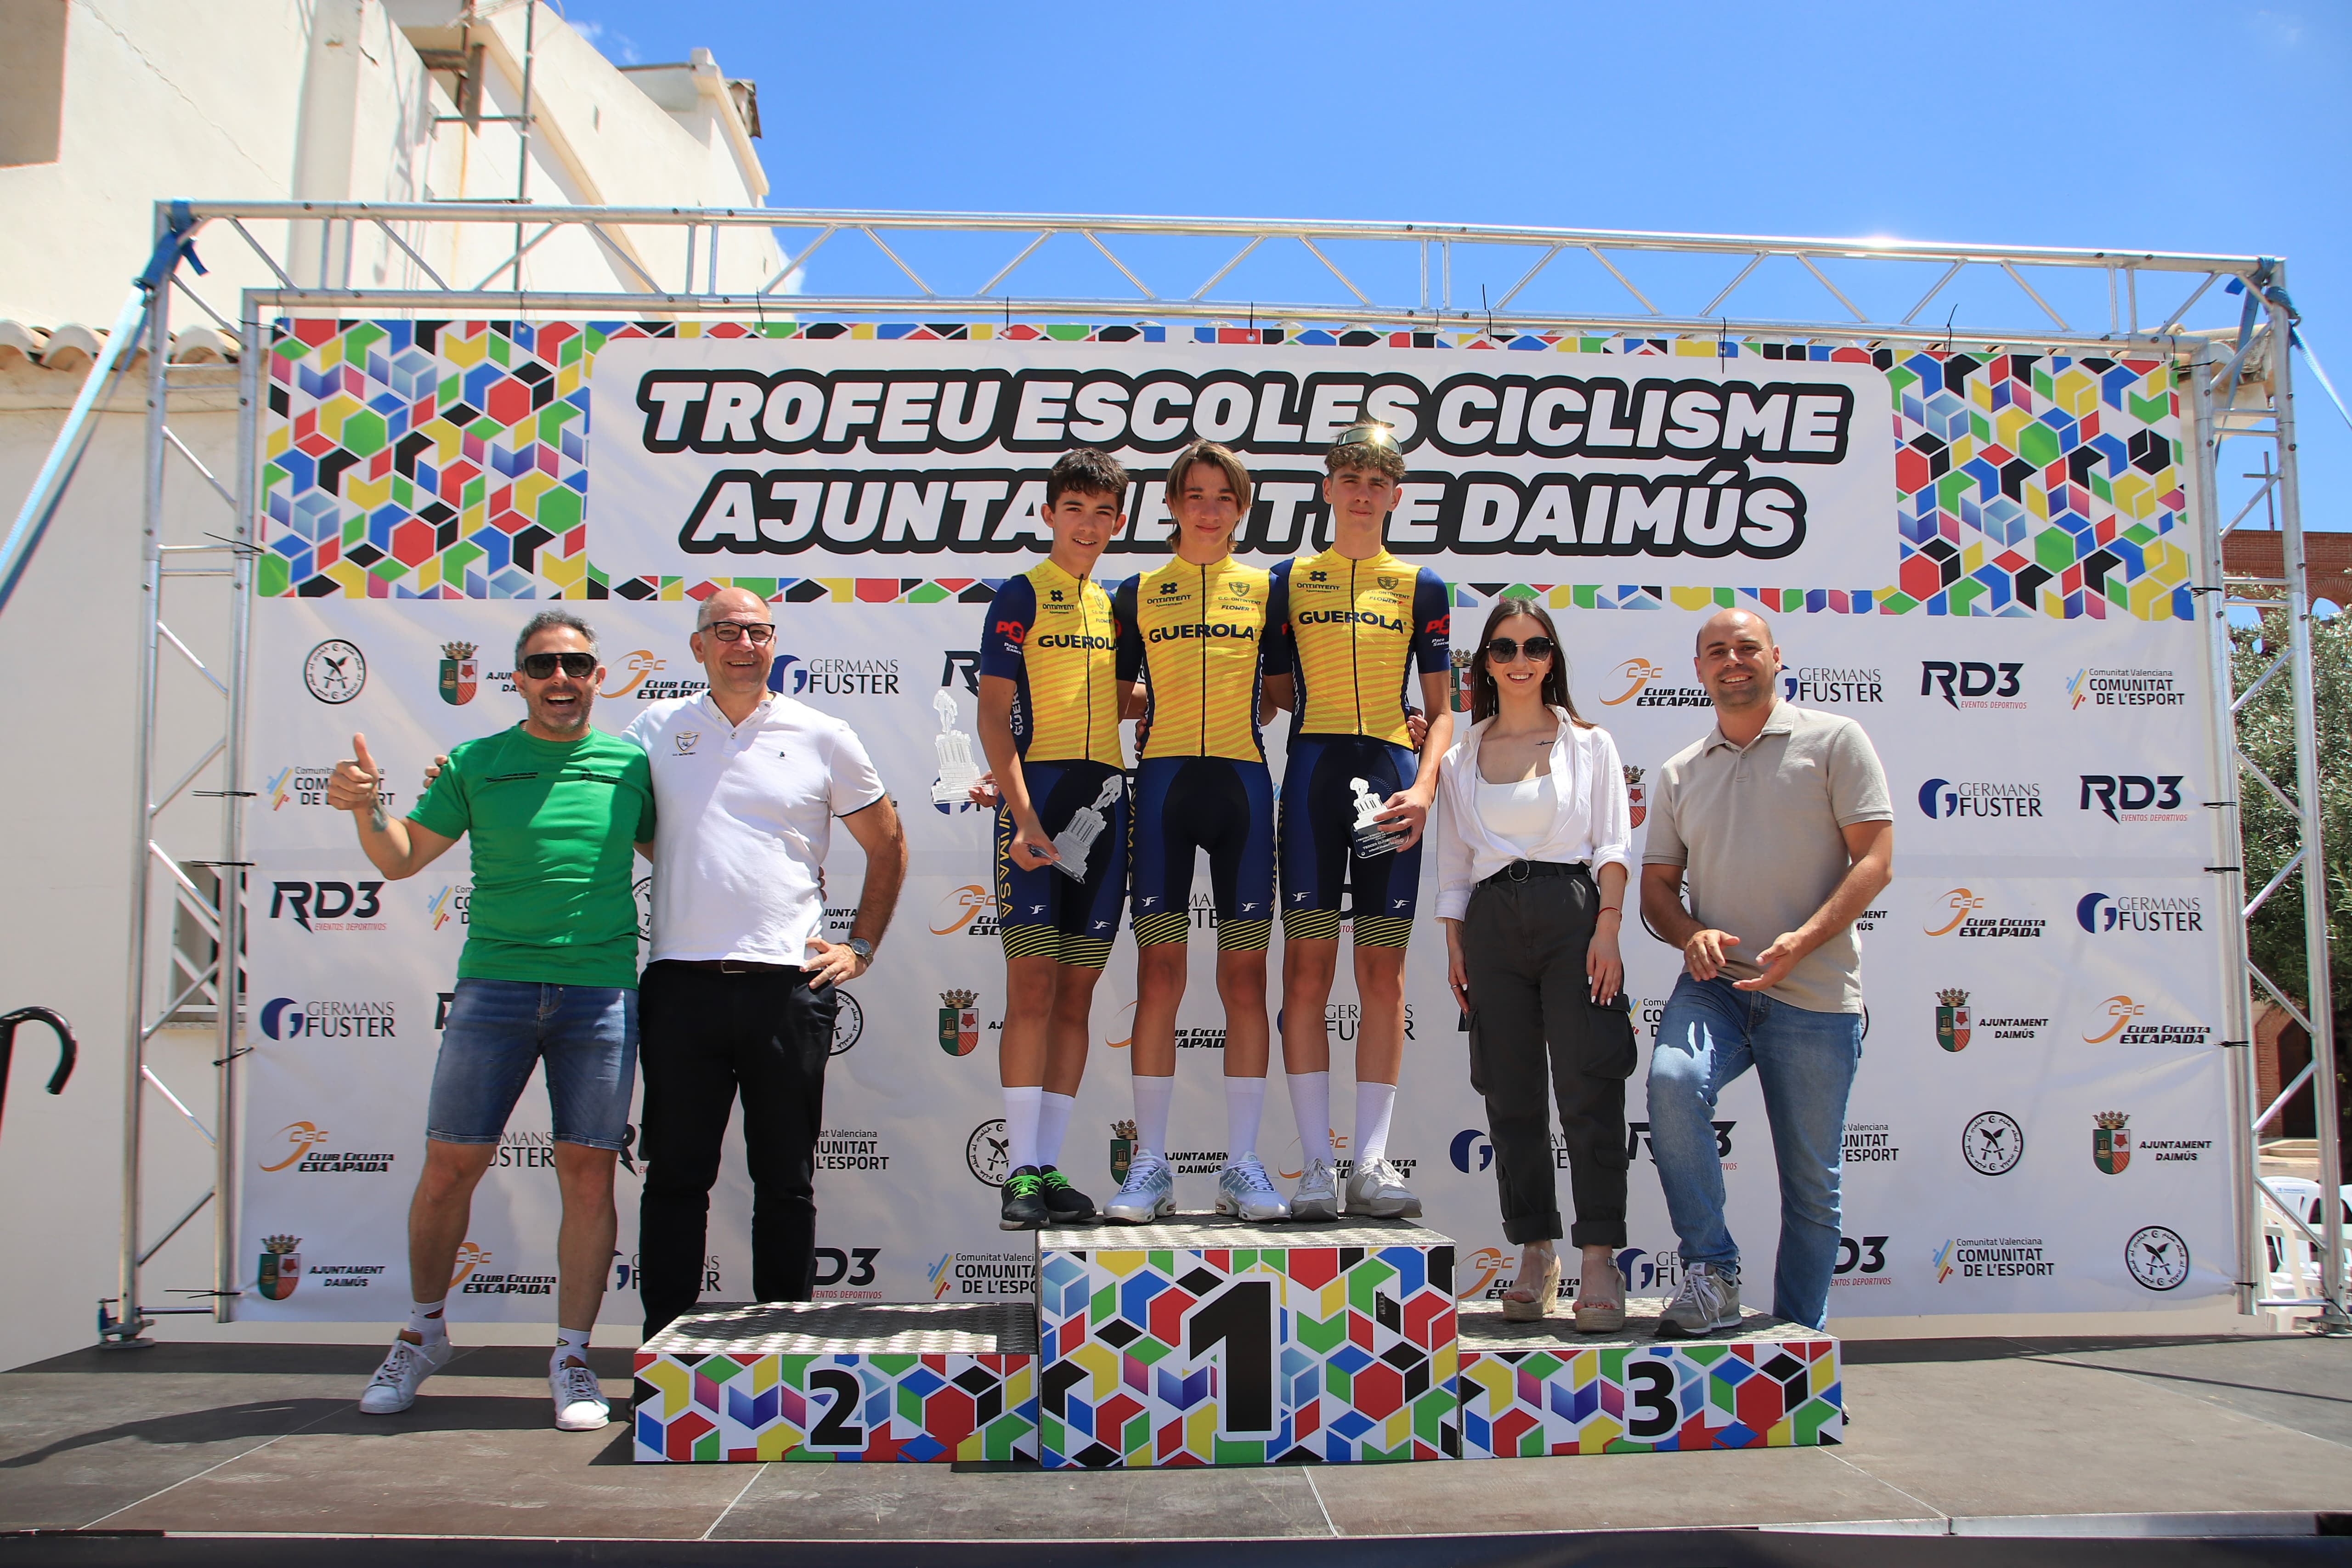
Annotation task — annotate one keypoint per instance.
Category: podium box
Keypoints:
(1543, 1388)
(1209, 1340)
(840, 1381)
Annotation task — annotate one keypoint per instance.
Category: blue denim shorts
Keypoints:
(500, 1029)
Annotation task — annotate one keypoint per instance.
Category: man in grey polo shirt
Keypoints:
(1778, 824)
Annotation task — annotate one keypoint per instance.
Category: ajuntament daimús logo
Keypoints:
(1636, 805)
(1122, 1150)
(2158, 1257)
(2139, 914)
(1992, 1142)
(959, 1022)
(1952, 1020)
(2140, 689)
(460, 674)
(335, 672)
(2111, 1141)
(279, 1269)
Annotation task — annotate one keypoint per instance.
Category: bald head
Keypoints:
(1730, 625)
(728, 603)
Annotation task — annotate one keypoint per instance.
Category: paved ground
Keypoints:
(266, 1439)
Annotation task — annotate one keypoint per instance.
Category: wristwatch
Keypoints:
(862, 948)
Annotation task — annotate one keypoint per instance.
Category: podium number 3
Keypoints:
(836, 1430)
(1238, 1319)
(1651, 1385)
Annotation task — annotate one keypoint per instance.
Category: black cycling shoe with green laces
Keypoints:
(1025, 1201)
(1064, 1202)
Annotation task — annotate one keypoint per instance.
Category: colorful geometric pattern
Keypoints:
(423, 459)
(1202, 1342)
(1529, 1389)
(841, 1382)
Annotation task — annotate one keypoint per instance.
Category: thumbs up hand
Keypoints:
(356, 780)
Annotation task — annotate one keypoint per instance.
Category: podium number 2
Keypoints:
(1651, 1385)
(836, 1430)
(1239, 1321)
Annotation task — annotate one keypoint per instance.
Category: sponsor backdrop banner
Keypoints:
(1983, 562)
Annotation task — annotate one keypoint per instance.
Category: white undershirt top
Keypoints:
(1520, 813)
(744, 815)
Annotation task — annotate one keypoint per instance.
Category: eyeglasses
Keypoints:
(760, 632)
(1506, 650)
(542, 666)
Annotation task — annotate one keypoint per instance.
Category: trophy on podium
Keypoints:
(1372, 838)
(956, 770)
(1073, 842)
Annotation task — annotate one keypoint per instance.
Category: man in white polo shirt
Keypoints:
(739, 998)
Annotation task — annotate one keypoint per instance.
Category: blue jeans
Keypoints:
(1711, 1033)
(499, 1030)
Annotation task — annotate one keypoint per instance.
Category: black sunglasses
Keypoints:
(542, 666)
(1506, 650)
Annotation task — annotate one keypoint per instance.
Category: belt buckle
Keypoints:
(735, 966)
(1516, 870)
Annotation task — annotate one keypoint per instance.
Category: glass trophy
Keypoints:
(958, 772)
(1372, 838)
(1073, 842)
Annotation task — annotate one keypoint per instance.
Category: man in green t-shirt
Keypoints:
(549, 974)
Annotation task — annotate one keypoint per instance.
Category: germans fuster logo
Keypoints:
(2110, 1141)
(2157, 1256)
(335, 672)
(959, 1022)
(461, 673)
(1952, 1020)
(1992, 1142)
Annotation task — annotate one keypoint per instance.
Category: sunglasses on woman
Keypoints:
(542, 666)
(1506, 650)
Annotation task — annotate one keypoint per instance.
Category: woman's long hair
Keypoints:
(1484, 700)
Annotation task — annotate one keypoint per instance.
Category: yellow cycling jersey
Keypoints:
(1354, 632)
(1195, 631)
(1055, 638)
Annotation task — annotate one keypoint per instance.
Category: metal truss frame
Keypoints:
(2236, 391)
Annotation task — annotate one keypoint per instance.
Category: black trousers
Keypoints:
(1531, 1015)
(704, 1039)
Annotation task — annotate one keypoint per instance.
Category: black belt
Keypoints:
(1521, 870)
(734, 965)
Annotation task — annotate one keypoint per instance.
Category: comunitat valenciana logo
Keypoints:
(1644, 684)
(301, 783)
(2140, 689)
(452, 903)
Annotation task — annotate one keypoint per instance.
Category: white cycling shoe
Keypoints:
(1316, 1196)
(1148, 1193)
(406, 1367)
(1243, 1189)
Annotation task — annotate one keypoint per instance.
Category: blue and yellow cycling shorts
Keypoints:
(1183, 805)
(1317, 846)
(1044, 912)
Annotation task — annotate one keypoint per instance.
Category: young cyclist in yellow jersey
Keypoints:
(1049, 717)
(1193, 628)
(1347, 631)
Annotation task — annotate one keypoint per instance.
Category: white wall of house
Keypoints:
(106, 106)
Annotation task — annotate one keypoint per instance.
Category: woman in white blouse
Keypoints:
(1533, 836)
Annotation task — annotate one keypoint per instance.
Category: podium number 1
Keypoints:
(1238, 1321)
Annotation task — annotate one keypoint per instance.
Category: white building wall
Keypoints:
(261, 100)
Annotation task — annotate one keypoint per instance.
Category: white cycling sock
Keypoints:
(1375, 1102)
(570, 1343)
(1244, 1103)
(1021, 1111)
(1152, 1097)
(1310, 1107)
(425, 1321)
(1053, 1121)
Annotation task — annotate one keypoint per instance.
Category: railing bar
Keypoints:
(515, 260)
(2019, 279)
(1005, 271)
(1308, 241)
(929, 292)
(149, 1074)
(793, 265)
(2289, 1092)
(2284, 873)
(1754, 262)
(1529, 275)
(2264, 780)
(390, 233)
(1115, 261)
(1219, 276)
(267, 260)
(2252, 501)
(2279, 996)
(609, 243)
(218, 488)
(187, 654)
(190, 776)
(2182, 313)
(1837, 293)
(218, 320)
(176, 1225)
(1610, 269)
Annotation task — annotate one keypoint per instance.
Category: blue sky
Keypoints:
(2142, 127)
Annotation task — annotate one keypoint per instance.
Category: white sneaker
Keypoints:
(579, 1398)
(1148, 1193)
(1242, 1189)
(1708, 1301)
(1377, 1189)
(394, 1387)
(1316, 1196)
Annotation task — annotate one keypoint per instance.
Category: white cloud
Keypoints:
(2280, 28)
